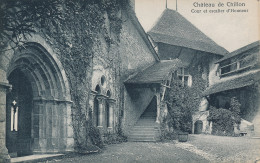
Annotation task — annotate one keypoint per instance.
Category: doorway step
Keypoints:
(36, 158)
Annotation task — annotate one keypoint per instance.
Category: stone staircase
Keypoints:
(145, 130)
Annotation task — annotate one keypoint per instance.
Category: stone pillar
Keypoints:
(101, 116)
(4, 157)
(69, 129)
(38, 131)
(91, 103)
(111, 103)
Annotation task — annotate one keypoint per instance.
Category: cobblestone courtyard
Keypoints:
(200, 148)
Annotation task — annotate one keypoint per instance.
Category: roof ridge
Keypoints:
(159, 18)
(172, 23)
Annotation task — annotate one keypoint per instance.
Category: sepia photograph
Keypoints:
(130, 81)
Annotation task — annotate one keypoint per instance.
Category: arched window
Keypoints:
(103, 79)
(97, 89)
(108, 93)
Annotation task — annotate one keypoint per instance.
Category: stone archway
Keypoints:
(50, 102)
(198, 126)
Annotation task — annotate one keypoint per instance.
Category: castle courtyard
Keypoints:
(199, 148)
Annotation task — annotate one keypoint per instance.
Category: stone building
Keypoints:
(36, 103)
(237, 75)
(173, 37)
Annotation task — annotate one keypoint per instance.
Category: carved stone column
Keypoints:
(101, 116)
(4, 157)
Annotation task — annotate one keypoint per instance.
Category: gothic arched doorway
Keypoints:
(40, 120)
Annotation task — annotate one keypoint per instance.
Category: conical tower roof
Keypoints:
(172, 28)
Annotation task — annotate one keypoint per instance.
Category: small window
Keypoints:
(97, 89)
(184, 77)
(103, 79)
(14, 116)
(108, 93)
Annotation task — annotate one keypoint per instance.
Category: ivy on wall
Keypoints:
(182, 101)
(72, 28)
(75, 35)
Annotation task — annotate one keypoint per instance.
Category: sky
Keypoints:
(229, 30)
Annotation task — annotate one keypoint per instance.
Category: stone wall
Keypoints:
(51, 112)
(134, 52)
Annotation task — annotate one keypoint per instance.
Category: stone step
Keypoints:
(146, 123)
(145, 129)
(146, 126)
(140, 139)
(135, 135)
(142, 133)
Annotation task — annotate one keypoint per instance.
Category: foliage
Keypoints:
(93, 133)
(74, 29)
(224, 119)
(182, 102)
(167, 133)
(235, 109)
(110, 138)
(223, 123)
(19, 17)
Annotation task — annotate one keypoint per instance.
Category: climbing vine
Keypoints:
(183, 101)
(223, 119)
(73, 28)
(75, 36)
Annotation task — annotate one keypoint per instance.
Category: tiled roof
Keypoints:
(239, 81)
(155, 73)
(239, 51)
(172, 28)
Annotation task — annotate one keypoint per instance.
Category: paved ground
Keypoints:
(200, 148)
(224, 149)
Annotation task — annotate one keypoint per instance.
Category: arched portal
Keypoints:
(198, 127)
(41, 91)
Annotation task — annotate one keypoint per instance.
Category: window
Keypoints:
(184, 77)
(96, 113)
(103, 79)
(14, 116)
(241, 63)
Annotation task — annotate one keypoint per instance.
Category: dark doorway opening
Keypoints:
(19, 115)
(96, 112)
(198, 127)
